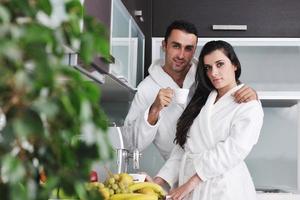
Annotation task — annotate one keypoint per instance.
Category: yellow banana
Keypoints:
(122, 196)
(133, 196)
(157, 188)
(146, 190)
(144, 197)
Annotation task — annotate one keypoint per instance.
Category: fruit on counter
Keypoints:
(147, 190)
(133, 196)
(114, 184)
(93, 176)
(118, 183)
(94, 185)
(104, 191)
(122, 187)
(126, 179)
(146, 186)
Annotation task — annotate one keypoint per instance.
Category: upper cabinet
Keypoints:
(275, 18)
(127, 46)
(126, 42)
(101, 10)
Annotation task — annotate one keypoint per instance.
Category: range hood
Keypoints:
(116, 95)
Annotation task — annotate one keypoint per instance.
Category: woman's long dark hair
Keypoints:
(203, 88)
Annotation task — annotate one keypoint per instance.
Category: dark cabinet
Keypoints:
(100, 9)
(273, 18)
(141, 12)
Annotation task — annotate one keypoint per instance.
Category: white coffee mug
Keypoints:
(181, 95)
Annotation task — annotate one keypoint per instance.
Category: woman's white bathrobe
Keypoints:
(220, 138)
(162, 133)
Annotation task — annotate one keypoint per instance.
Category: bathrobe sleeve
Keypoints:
(170, 171)
(136, 122)
(244, 133)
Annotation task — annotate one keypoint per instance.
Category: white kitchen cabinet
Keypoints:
(271, 67)
(127, 46)
(127, 43)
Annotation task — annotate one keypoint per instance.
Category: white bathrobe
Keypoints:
(220, 138)
(162, 133)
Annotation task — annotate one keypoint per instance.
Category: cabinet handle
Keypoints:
(229, 27)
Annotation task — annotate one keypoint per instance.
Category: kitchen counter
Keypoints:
(278, 196)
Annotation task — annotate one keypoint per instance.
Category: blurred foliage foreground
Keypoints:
(48, 106)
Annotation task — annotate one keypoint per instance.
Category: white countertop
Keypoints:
(278, 196)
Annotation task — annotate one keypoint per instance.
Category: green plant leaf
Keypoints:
(74, 7)
(47, 104)
(4, 15)
(22, 8)
(86, 47)
(27, 123)
(11, 51)
(45, 6)
(12, 169)
(85, 111)
(92, 91)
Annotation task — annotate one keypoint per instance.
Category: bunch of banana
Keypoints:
(133, 196)
(148, 188)
(122, 187)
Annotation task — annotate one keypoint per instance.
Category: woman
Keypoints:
(214, 134)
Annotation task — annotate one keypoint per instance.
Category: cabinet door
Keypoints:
(101, 10)
(143, 19)
(144, 22)
(273, 18)
(127, 46)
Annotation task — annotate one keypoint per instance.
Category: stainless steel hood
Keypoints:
(116, 96)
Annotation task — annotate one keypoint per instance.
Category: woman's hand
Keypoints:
(182, 191)
(148, 178)
(158, 180)
(245, 94)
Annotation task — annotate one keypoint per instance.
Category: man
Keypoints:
(153, 115)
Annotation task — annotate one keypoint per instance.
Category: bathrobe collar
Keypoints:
(164, 80)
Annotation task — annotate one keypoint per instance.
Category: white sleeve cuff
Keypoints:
(146, 119)
(199, 171)
(170, 179)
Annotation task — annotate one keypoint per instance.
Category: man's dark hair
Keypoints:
(183, 26)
